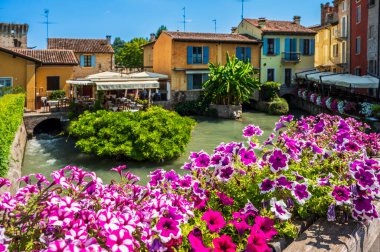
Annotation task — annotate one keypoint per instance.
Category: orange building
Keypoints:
(38, 72)
(184, 56)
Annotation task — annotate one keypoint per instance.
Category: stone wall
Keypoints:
(228, 111)
(16, 159)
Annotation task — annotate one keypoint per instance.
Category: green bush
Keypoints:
(376, 110)
(279, 106)
(156, 134)
(11, 113)
(57, 94)
(269, 91)
(11, 90)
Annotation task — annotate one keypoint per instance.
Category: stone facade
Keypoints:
(373, 38)
(13, 35)
(104, 62)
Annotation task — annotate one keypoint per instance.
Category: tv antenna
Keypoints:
(242, 8)
(184, 21)
(46, 15)
(214, 20)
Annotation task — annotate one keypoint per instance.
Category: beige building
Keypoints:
(13, 35)
(184, 56)
(94, 55)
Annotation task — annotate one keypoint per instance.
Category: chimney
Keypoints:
(262, 22)
(152, 37)
(233, 29)
(108, 38)
(297, 20)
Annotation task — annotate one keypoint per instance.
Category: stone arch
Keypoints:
(49, 125)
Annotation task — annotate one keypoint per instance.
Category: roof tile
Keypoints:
(212, 37)
(48, 56)
(81, 45)
(280, 26)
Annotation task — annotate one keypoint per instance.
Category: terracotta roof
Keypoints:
(274, 26)
(48, 57)
(211, 37)
(81, 45)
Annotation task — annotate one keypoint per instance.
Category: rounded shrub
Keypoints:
(269, 91)
(156, 134)
(279, 107)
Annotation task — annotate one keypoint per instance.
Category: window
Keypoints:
(271, 50)
(344, 27)
(371, 3)
(288, 76)
(243, 53)
(372, 66)
(87, 60)
(344, 7)
(195, 81)
(270, 74)
(357, 45)
(371, 33)
(53, 83)
(335, 50)
(344, 58)
(307, 46)
(197, 55)
(358, 14)
(5, 81)
(358, 71)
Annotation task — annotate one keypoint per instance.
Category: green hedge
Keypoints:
(156, 134)
(279, 106)
(269, 91)
(57, 94)
(11, 113)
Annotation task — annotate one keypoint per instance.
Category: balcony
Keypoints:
(291, 57)
(341, 36)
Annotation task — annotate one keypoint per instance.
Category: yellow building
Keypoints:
(288, 47)
(184, 56)
(38, 72)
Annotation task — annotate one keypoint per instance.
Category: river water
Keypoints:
(45, 153)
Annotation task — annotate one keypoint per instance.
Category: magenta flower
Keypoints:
(224, 173)
(247, 157)
(301, 193)
(214, 220)
(224, 199)
(279, 209)
(331, 213)
(224, 244)
(365, 179)
(119, 241)
(239, 222)
(168, 229)
(351, 146)
(57, 246)
(266, 226)
(252, 130)
(319, 127)
(341, 195)
(77, 234)
(196, 241)
(202, 161)
(267, 186)
(4, 182)
(278, 161)
(362, 205)
(283, 182)
(257, 242)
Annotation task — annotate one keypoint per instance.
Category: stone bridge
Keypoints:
(287, 90)
(31, 120)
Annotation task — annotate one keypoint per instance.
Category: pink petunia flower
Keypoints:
(266, 226)
(168, 229)
(278, 161)
(119, 241)
(214, 220)
(224, 244)
(279, 209)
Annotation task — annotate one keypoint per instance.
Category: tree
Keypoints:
(131, 55)
(231, 84)
(160, 30)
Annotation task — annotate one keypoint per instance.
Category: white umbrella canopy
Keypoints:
(302, 75)
(315, 76)
(354, 81)
(332, 79)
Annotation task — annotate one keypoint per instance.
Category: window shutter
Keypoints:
(277, 46)
(239, 53)
(294, 49)
(93, 61)
(81, 60)
(265, 47)
(287, 45)
(302, 41)
(205, 55)
(248, 52)
(189, 82)
(189, 55)
(312, 46)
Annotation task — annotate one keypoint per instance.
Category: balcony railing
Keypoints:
(341, 35)
(291, 57)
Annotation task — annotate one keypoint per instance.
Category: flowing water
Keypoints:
(45, 153)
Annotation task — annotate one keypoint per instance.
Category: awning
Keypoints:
(315, 76)
(302, 75)
(80, 82)
(353, 81)
(126, 85)
(197, 71)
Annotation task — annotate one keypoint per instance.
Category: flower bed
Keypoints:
(233, 199)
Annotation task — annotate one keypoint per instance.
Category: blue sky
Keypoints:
(138, 18)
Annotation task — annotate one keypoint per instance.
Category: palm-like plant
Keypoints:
(231, 84)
